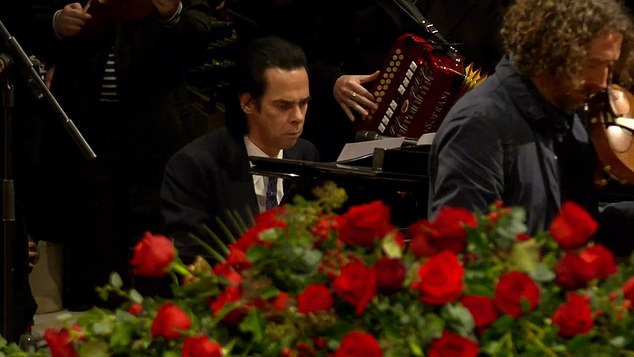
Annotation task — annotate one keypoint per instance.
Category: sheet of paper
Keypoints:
(426, 139)
(365, 148)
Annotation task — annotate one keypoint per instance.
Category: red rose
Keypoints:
(238, 260)
(314, 298)
(60, 343)
(170, 322)
(628, 289)
(574, 317)
(225, 270)
(320, 342)
(201, 346)
(153, 255)
(481, 308)
(356, 284)
(421, 244)
(601, 260)
(522, 237)
(451, 344)
(450, 224)
(512, 289)
(263, 221)
(390, 274)
(572, 272)
(446, 232)
(356, 344)
(440, 279)
(364, 224)
(230, 295)
(281, 302)
(573, 226)
(135, 309)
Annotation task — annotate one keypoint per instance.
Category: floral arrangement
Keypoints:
(306, 281)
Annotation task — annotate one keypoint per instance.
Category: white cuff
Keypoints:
(55, 16)
(176, 16)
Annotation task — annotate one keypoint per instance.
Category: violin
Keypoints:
(611, 125)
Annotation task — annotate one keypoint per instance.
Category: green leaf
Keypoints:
(459, 318)
(93, 349)
(508, 227)
(434, 325)
(542, 273)
(103, 293)
(525, 256)
(618, 341)
(312, 257)
(390, 247)
(414, 347)
(257, 252)
(270, 292)
(491, 348)
(103, 327)
(135, 296)
(115, 280)
(123, 316)
(65, 317)
(121, 337)
(270, 235)
(255, 324)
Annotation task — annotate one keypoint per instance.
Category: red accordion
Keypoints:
(418, 85)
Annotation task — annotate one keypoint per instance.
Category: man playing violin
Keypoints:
(119, 72)
(517, 138)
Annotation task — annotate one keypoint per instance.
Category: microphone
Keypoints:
(365, 135)
(5, 62)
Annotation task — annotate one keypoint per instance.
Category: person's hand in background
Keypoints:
(69, 21)
(351, 95)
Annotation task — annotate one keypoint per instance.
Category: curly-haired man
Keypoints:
(517, 138)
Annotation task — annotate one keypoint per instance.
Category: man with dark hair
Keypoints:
(517, 138)
(348, 41)
(210, 176)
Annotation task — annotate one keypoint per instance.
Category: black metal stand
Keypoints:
(19, 60)
(8, 208)
(37, 84)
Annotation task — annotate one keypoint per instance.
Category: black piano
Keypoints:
(397, 176)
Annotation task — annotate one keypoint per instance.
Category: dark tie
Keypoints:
(271, 193)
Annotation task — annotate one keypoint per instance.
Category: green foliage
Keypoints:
(249, 302)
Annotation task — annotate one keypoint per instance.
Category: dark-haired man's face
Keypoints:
(277, 120)
(603, 52)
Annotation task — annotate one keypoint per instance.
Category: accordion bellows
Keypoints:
(417, 87)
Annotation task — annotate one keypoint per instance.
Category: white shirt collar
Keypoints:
(254, 150)
(260, 182)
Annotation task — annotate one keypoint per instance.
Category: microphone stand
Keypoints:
(8, 209)
(33, 80)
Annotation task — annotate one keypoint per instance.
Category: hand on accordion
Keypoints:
(352, 96)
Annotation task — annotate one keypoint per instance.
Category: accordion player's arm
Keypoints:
(351, 95)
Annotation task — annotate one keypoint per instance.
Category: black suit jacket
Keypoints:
(207, 178)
